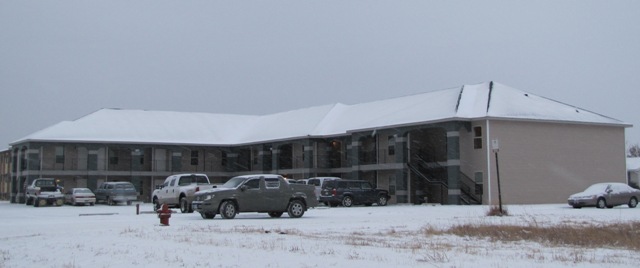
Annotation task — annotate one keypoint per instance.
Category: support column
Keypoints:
(308, 158)
(453, 167)
(275, 159)
(353, 157)
(402, 176)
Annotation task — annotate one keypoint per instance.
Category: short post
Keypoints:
(496, 147)
(137, 209)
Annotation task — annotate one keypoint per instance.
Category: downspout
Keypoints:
(41, 159)
(106, 164)
(408, 142)
(488, 163)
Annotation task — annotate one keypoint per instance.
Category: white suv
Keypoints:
(318, 182)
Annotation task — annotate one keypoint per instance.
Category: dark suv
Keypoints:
(352, 192)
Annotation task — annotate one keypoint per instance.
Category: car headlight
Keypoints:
(208, 197)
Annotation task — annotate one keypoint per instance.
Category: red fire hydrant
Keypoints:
(164, 213)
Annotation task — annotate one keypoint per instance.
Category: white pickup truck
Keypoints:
(178, 191)
(43, 191)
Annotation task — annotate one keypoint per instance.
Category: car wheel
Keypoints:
(110, 202)
(59, 202)
(601, 203)
(275, 214)
(27, 202)
(633, 202)
(184, 205)
(577, 207)
(228, 210)
(208, 215)
(347, 201)
(41, 202)
(36, 202)
(91, 204)
(296, 209)
(129, 203)
(382, 200)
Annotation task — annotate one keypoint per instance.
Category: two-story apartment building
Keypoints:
(436, 144)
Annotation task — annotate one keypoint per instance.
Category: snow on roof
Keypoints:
(470, 102)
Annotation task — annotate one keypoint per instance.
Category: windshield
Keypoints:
(83, 191)
(186, 180)
(233, 182)
(124, 186)
(596, 188)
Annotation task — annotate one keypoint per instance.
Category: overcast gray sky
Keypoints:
(61, 60)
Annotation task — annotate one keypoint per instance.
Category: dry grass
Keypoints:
(615, 235)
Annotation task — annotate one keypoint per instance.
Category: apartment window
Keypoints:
(477, 137)
(59, 155)
(113, 157)
(392, 145)
(194, 158)
(479, 178)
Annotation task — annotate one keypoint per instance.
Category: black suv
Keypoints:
(352, 192)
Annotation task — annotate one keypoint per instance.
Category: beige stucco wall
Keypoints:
(545, 162)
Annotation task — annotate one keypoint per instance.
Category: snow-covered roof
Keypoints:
(633, 163)
(470, 102)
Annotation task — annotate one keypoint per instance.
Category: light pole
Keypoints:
(495, 146)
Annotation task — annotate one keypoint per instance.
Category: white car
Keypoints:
(77, 196)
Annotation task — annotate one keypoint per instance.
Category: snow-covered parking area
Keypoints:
(391, 236)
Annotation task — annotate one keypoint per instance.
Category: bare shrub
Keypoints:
(494, 210)
(434, 256)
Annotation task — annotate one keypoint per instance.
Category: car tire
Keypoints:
(185, 207)
(296, 209)
(129, 203)
(347, 201)
(601, 203)
(275, 214)
(228, 210)
(91, 204)
(208, 215)
(28, 201)
(577, 207)
(633, 202)
(382, 200)
(59, 202)
(36, 202)
(41, 202)
(333, 205)
(110, 201)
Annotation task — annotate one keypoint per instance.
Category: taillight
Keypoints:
(197, 188)
(334, 192)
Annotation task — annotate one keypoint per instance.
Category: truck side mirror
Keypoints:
(243, 188)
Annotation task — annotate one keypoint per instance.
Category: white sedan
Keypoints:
(608, 194)
(76, 196)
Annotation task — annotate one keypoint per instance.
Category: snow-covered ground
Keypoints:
(392, 236)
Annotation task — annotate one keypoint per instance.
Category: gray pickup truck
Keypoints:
(264, 193)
